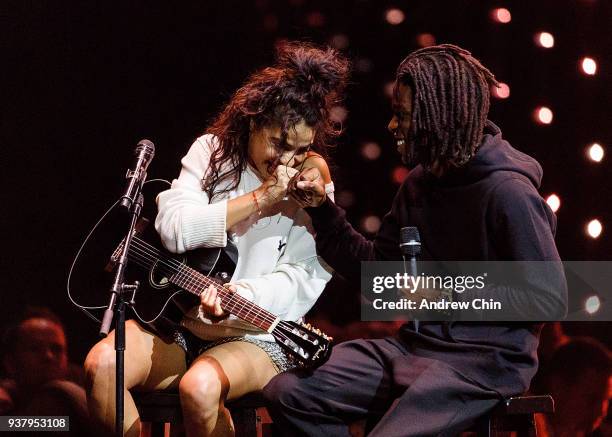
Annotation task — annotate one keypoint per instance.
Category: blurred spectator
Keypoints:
(578, 376)
(37, 379)
(551, 338)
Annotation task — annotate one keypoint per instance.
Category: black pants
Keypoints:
(399, 393)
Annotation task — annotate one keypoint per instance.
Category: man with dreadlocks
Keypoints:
(472, 197)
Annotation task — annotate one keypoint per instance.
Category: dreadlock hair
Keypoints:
(304, 84)
(450, 103)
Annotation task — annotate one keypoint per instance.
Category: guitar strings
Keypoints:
(143, 263)
(152, 252)
(230, 302)
(145, 259)
(175, 266)
(197, 279)
(203, 281)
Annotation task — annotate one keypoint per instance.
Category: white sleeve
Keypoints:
(186, 219)
(329, 190)
(298, 279)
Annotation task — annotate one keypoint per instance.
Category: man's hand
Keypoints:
(308, 189)
(429, 294)
(274, 189)
(210, 304)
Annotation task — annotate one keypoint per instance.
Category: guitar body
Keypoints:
(157, 295)
(170, 285)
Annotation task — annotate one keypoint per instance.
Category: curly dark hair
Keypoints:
(450, 103)
(304, 84)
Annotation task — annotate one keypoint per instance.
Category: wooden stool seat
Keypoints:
(515, 414)
(161, 407)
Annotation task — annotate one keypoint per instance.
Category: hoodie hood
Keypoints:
(494, 154)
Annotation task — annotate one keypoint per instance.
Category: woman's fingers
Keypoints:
(277, 184)
(284, 175)
(210, 302)
(217, 307)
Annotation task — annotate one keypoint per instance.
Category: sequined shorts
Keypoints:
(195, 346)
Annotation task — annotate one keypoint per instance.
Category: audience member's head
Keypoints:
(35, 349)
(551, 338)
(578, 376)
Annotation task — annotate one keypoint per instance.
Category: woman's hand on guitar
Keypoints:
(210, 304)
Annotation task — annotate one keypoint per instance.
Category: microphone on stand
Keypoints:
(132, 201)
(410, 246)
(144, 153)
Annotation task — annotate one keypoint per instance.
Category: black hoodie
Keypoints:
(487, 210)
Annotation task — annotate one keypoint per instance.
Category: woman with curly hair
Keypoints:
(233, 186)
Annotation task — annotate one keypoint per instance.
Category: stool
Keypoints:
(513, 415)
(160, 407)
(516, 414)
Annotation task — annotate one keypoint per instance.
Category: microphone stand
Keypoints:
(116, 310)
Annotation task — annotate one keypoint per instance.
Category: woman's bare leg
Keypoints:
(150, 364)
(222, 373)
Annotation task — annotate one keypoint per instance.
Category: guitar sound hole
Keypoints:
(157, 278)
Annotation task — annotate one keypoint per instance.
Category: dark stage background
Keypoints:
(82, 82)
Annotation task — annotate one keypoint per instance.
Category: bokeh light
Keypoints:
(589, 66)
(501, 92)
(425, 40)
(545, 40)
(339, 41)
(394, 16)
(554, 202)
(338, 114)
(592, 304)
(595, 152)
(370, 223)
(399, 174)
(594, 228)
(370, 151)
(543, 115)
(501, 15)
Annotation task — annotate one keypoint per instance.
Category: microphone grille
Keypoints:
(410, 241)
(409, 233)
(145, 146)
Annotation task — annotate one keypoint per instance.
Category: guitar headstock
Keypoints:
(307, 343)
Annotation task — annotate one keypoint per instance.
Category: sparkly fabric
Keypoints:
(194, 347)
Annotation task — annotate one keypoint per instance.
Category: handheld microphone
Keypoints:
(410, 246)
(144, 153)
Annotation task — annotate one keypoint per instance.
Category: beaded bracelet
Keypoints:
(256, 203)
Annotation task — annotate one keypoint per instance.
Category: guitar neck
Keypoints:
(194, 282)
